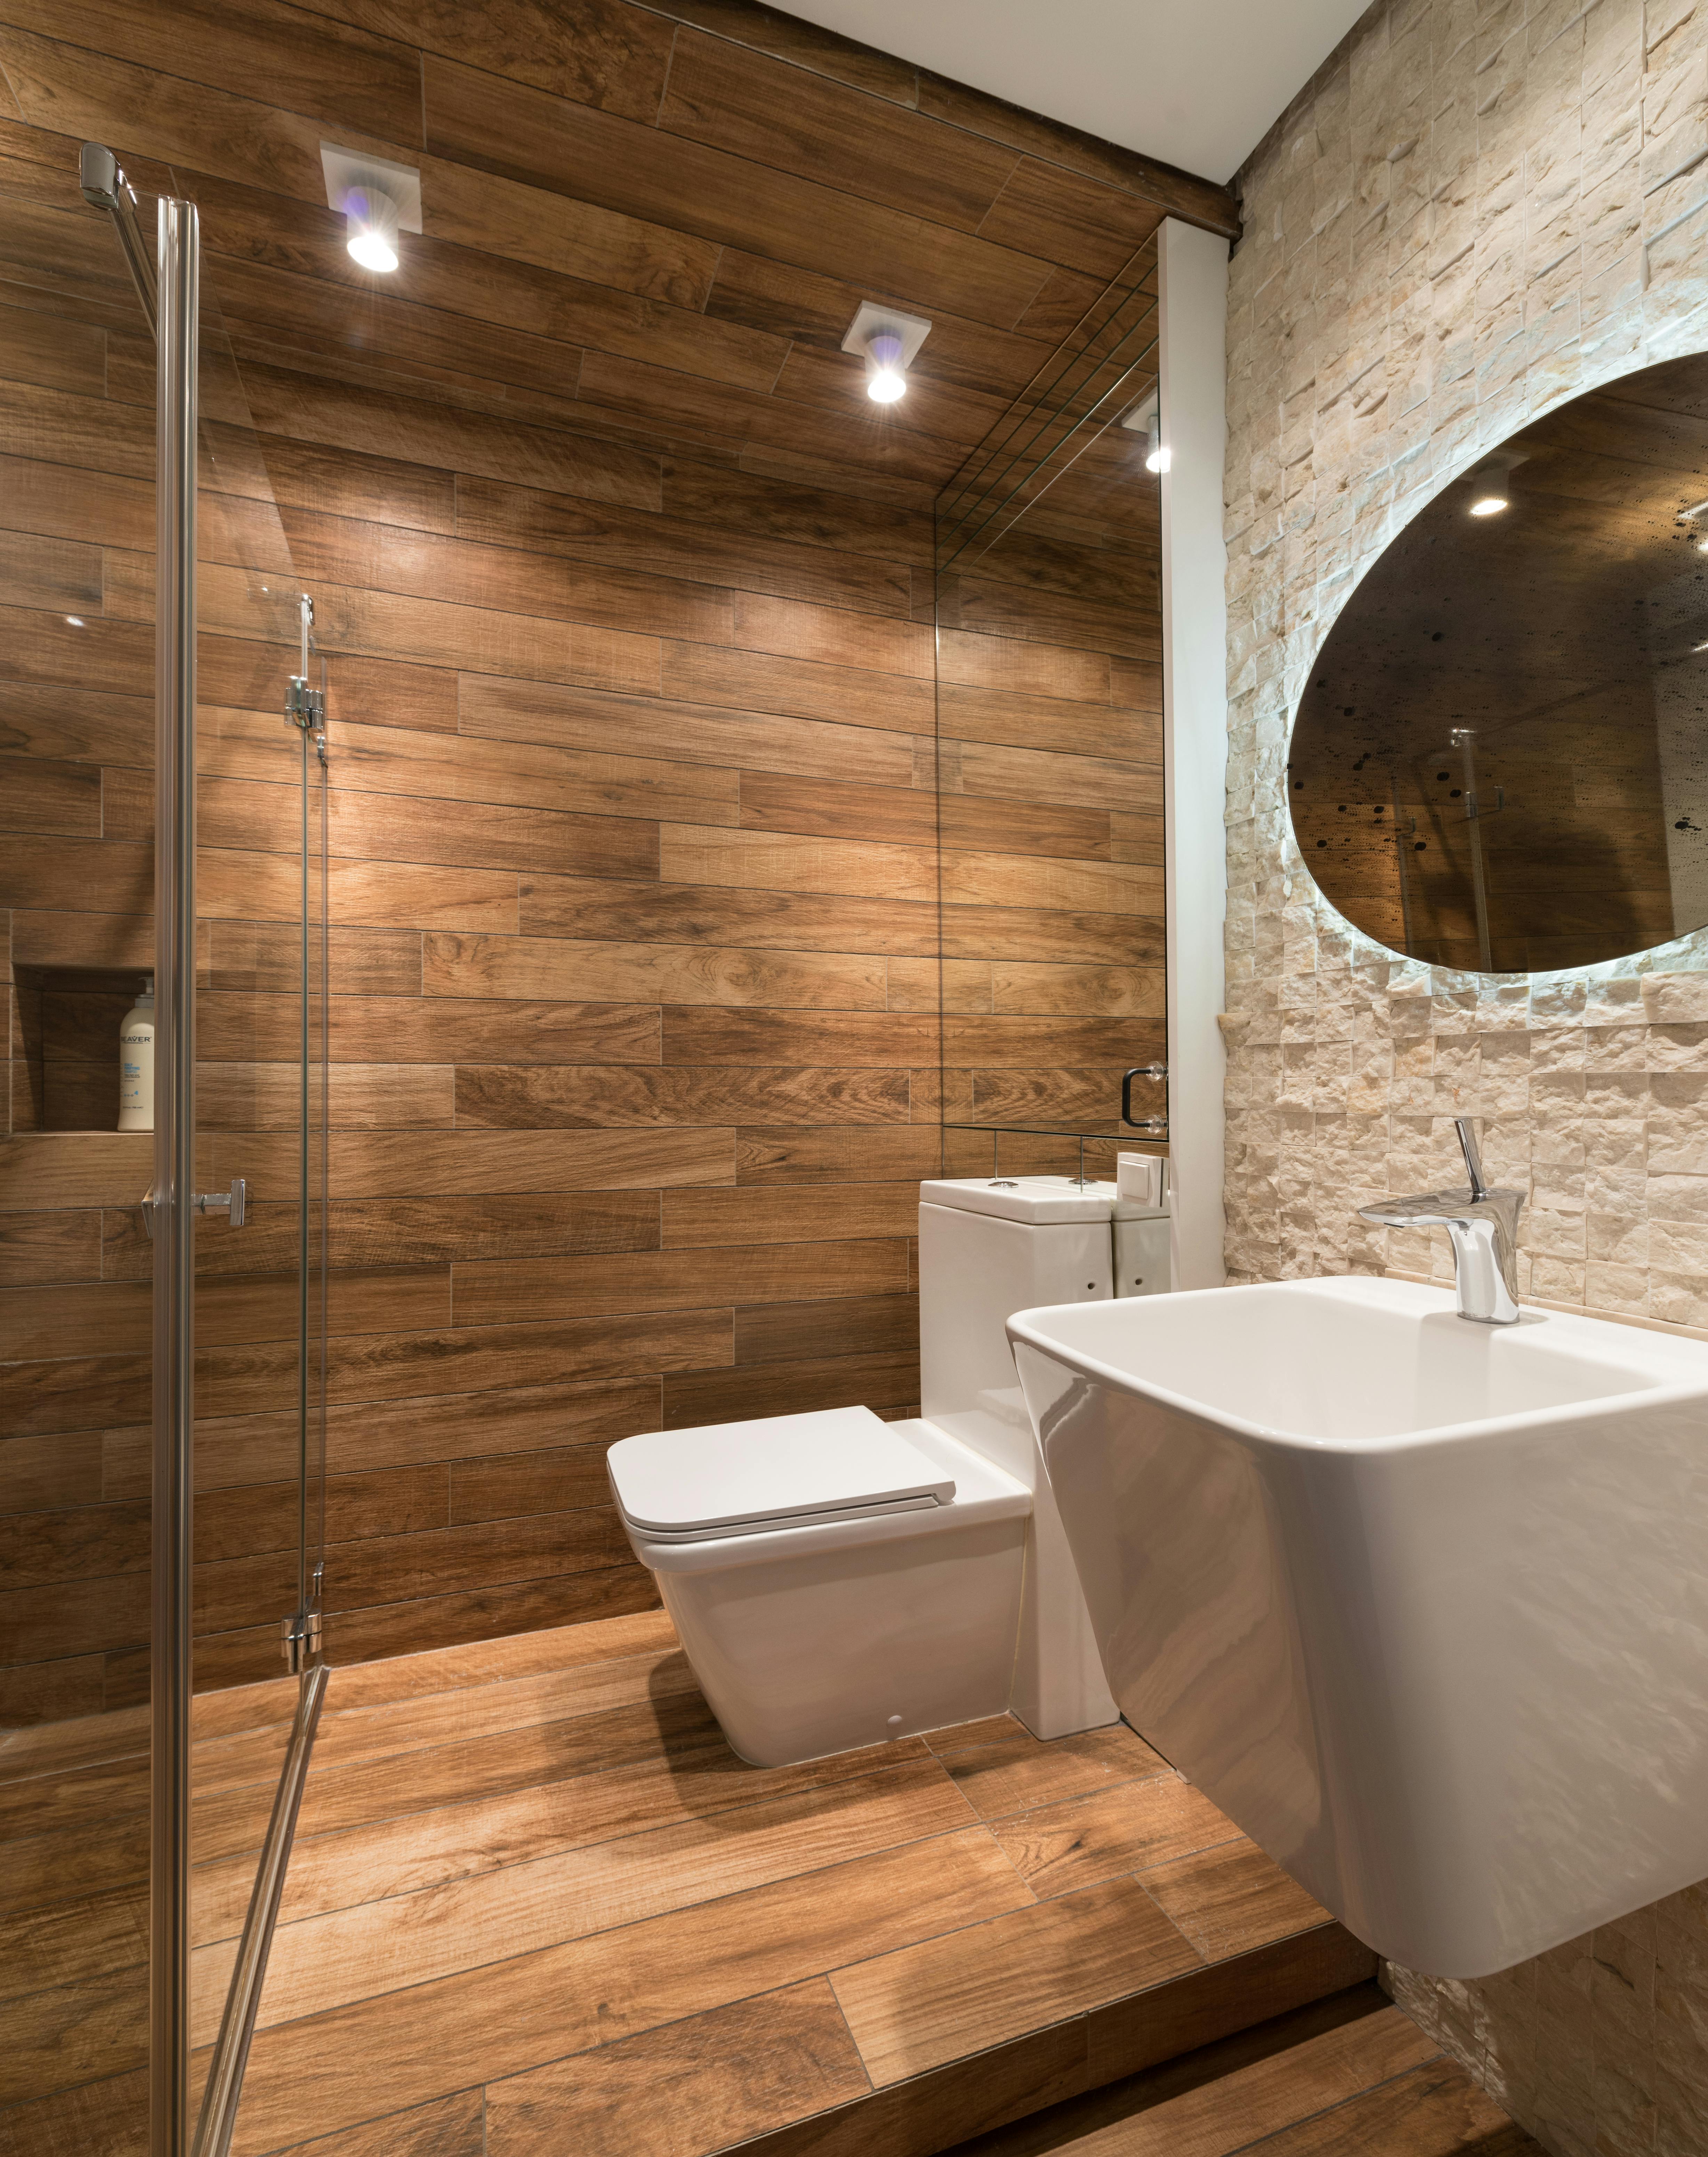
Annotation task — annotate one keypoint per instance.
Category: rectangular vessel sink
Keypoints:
(1421, 1604)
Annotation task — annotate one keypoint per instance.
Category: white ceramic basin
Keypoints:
(1421, 1604)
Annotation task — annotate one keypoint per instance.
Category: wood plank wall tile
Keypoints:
(650, 878)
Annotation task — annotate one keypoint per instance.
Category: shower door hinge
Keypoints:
(301, 1629)
(302, 1632)
(304, 707)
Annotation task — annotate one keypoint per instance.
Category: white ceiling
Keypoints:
(1196, 83)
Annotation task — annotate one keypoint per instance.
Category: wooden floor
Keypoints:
(537, 1907)
(1346, 2076)
(73, 1903)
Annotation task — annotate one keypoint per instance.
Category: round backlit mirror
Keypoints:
(1500, 762)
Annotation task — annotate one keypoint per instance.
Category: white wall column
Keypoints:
(1192, 373)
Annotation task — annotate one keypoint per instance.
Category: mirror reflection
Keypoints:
(1497, 764)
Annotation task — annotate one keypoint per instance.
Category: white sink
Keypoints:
(1421, 1604)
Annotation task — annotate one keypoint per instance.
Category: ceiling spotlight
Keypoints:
(377, 200)
(885, 380)
(74, 620)
(371, 217)
(1147, 418)
(887, 341)
(1489, 505)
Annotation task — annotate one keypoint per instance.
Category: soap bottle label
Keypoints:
(136, 1067)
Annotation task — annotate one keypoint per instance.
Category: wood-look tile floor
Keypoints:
(73, 1903)
(536, 1906)
(1346, 2076)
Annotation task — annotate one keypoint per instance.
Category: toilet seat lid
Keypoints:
(833, 1462)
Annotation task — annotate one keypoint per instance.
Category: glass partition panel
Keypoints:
(76, 780)
(84, 1568)
(260, 1113)
(1049, 737)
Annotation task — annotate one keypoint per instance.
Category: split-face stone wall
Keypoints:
(1472, 212)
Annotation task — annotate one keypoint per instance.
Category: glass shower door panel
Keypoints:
(260, 834)
(76, 784)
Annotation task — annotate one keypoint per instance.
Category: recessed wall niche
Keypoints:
(69, 1019)
(1498, 762)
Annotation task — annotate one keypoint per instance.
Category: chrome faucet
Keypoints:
(1484, 1225)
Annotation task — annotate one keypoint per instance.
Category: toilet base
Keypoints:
(831, 1651)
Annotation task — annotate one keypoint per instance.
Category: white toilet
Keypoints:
(838, 1580)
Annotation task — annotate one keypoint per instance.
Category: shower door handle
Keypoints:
(234, 1201)
(1141, 1071)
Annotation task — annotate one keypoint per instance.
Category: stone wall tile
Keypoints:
(1445, 236)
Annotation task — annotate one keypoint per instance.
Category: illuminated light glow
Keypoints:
(1160, 458)
(1491, 505)
(75, 621)
(372, 249)
(371, 219)
(885, 381)
(887, 341)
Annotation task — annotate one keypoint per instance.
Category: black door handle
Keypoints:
(1139, 1071)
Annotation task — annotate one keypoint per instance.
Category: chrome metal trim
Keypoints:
(104, 186)
(234, 1202)
(237, 2025)
(178, 283)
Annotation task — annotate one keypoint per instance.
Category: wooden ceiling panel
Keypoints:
(784, 117)
(651, 176)
(788, 38)
(1070, 220)
(601, 53)
(647, 230)
(282, 56)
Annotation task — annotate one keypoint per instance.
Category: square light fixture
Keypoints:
(375, 198)
(886, 340)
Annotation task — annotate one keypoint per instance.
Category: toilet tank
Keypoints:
(989, 1247)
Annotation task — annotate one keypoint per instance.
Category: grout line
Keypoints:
(664, 79)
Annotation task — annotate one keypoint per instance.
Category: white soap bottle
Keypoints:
(136, 1063)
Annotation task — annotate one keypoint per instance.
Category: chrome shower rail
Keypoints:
(178, 285)
(169, 288)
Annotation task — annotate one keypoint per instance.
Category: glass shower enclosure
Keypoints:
(161, 1480)
(1048, 612)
